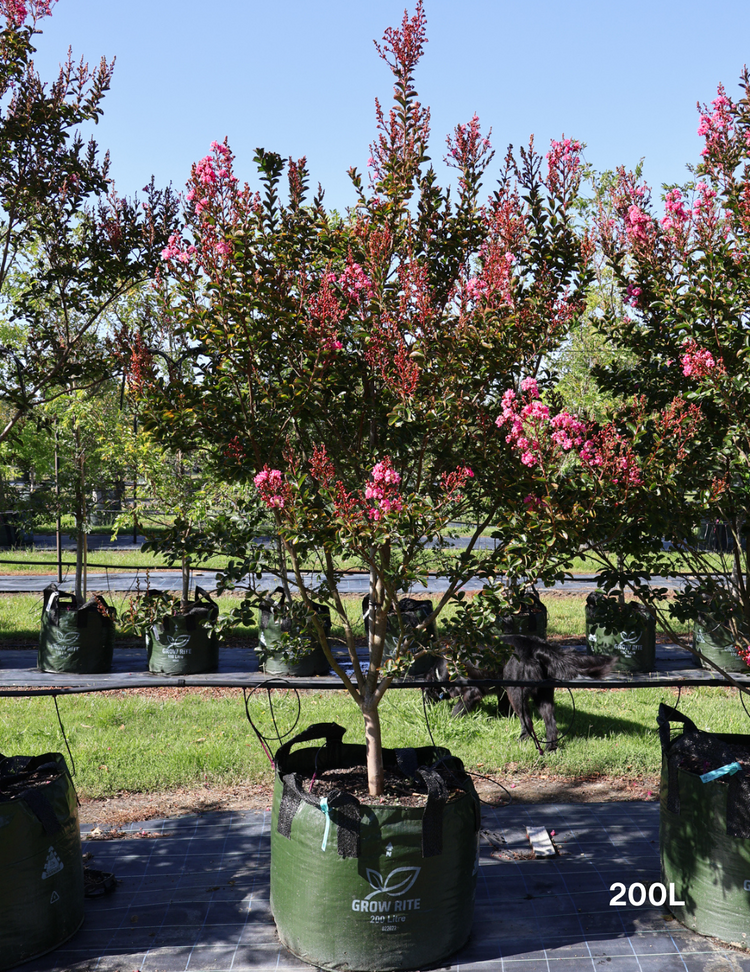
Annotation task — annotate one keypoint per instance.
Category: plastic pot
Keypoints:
(380, 887)
(413, 613)
(626, 630)
(704, 829)
(185, 644)
(41, 868)
(75, 639)
(274, 623)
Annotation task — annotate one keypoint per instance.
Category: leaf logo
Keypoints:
(176, 641)
(67, 639)
(398, 882)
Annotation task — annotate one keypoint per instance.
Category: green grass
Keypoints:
(152, 740)
(29, 560)
(20, 614)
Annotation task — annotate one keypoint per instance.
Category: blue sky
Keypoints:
(300, 78)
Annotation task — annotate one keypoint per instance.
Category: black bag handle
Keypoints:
(203, 595)
(332, 732)
(665, 717)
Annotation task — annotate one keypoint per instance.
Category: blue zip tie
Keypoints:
(324, 808)
(729, 769)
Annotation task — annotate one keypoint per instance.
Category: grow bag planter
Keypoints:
(41, 869)
(357, 887)
(274, 624)
(413, 613)
(531, 620)
(717, 643)
(704, 831)
(185, 644)
(628, 631)
(75, 639)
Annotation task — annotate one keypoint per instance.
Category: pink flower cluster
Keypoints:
(274, 492)
(177, 250)
(705, 201)
(494, 278)
(715, 126)
(637, 225)
(697, 362)
(677, 215)
(384, 489)
(563, 161)
(530, 424)
(633, 293)
(355, 283)
(16, 11)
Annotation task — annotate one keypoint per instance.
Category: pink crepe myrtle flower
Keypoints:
(676, 214)
(384, 489)
(633, 293)
(274, 492)
(637, 224)
(697, 362)
(530, 385)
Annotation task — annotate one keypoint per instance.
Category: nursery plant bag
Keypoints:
(628, 631)
(704, 831)
(183, 644)
(274, 623)
(75, 639)
(413, 613)
(530, 620)
(717, 643)
(372, 887)
(41, 868)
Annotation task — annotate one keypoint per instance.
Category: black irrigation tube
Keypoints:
(331, 685)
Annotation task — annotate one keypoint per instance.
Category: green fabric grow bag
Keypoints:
(413, 613)
(75, 639)
(274, 623)
(704, 829)
(628, 631)
(717, 643)
(372, 887)
(41, 868)
(185, 644)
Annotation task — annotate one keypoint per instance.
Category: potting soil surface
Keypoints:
(193, 894)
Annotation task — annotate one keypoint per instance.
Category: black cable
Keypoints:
(426, 719)
(65, 738)
(486, 803)
(265, 741)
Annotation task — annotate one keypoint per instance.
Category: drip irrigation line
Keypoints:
(65, 738)
(486, 803)
(266, 741)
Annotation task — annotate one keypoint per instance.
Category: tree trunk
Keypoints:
(374, 748)
(185, 583)
(80, 514)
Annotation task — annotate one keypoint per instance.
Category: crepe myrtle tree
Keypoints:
(70, 247)
(351, 369)
(683, 274)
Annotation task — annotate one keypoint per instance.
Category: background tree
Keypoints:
(684, 277)
(69, 246)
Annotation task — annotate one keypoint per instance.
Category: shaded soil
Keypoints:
(127, 808)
